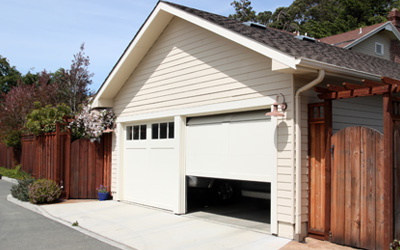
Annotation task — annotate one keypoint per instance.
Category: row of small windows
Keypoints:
(164, 130)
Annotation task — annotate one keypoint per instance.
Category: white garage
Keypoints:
(232, 146)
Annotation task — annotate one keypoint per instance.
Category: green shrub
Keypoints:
(15, 173)
(44, 119)
(21, 191)
(44, 191)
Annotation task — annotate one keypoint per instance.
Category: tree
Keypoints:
(9, 75)
(15, 105)
(73, 83)
(320, 18)
(244, 12)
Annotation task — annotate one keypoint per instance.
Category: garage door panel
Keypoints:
(151, 170)
(240, 149)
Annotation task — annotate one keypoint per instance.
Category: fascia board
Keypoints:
(154, 26)
(337, 70)
(233, 36)
(134, 53)
(373, 32)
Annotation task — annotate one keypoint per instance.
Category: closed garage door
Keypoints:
(151, 165)
(232, 146)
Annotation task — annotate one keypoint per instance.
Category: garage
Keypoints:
(151, 164)
(232, 152)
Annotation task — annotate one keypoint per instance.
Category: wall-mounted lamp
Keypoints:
(282, 105)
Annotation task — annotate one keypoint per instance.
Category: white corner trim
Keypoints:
(236, 106)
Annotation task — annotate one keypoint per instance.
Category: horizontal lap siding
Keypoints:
(365, 111)
(189, 67)
(368, 46)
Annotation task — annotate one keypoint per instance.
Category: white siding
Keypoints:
(368, 46)
(191, 67)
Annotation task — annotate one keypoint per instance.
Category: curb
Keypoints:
(42, 211)
(4, 178)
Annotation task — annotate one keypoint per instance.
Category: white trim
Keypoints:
(120, 159)
(274, 187)
(233, 36)
(382, 49)
(180, 135)
(138, 49)
(388, 26)
(334, 69)
(262, 102)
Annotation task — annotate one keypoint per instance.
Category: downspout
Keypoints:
(316, 81)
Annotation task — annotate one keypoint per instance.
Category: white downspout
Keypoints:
(320, 77)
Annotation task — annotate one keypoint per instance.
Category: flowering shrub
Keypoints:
(102, 189)
(44, 191)
(91, 123)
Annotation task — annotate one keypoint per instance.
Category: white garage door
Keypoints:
(151, 165)
(232, 146)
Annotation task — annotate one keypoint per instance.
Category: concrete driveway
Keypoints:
(145, 228)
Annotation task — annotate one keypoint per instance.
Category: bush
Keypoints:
(44, 191)
(21, 191)
(395, 245)
(15, 173)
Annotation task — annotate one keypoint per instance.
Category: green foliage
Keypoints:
(44, 191)
(44, 119)
(9, 75)
(319, 18)
(15, 173)
(75, 224)
(21, 191)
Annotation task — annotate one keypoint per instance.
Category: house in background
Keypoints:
(381, 40)
(190, 94)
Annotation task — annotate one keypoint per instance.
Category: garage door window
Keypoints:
(137, 132)
(164, 130)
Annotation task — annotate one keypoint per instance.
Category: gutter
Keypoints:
(297, 145)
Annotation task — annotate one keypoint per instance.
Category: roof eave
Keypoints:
(337, 70)
(148, 34)
(373, 32)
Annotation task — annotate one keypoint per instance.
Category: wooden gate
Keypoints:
(357, 188)
(90, 167)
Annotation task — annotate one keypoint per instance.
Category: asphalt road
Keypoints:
(23, 229)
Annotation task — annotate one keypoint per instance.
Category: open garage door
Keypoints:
(239, 146)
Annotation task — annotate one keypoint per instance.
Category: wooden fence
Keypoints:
(9, 157)
(78, 167)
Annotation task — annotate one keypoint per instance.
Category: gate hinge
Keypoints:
(332, 149)
(330, 235)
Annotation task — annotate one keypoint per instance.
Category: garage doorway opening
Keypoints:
(245, 204)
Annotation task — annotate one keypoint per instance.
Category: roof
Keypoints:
(289, 44)
(344, 39)
(282, 47)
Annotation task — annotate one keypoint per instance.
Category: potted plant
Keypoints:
(102, 192)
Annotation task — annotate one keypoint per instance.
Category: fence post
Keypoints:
(67, 164)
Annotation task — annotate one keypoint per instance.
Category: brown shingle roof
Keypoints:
(343, 39)
(287, 43)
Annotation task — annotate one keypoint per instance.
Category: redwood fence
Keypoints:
(9, 157)
(79, 167)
